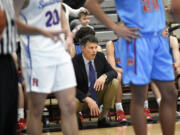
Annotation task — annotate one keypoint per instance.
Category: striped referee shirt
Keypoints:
(8, 40)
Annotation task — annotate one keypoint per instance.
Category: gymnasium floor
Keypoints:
(153, 129)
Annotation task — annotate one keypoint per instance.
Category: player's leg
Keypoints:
(119, 93)
(137, 109)
(119, 107)
(65, 93)
(66, 100)
(167, 106)
(156, 92)
(36, 104)
(39, 82)
(21, 124)
(163, 76)
(146, 106)
(137, 65)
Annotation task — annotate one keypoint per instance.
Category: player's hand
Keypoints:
(93, 107)
(54, 35)
(127, 33)
(99, 84)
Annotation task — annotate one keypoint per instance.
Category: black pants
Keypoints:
(75, 4)
(8, 95)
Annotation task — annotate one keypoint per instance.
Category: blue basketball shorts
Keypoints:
(146, 58)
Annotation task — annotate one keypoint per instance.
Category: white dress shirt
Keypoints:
(86, 62)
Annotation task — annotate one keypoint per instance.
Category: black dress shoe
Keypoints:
(80, 121)
(103, 123)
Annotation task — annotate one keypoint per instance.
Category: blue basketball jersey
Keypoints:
(144, 14)
(117, 52)
(78, 49)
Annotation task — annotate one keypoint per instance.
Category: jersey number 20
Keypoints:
(147, 7)
(53, 18)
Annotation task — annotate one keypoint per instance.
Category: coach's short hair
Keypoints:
(89, 38)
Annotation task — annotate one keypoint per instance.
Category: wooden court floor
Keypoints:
(153, 129)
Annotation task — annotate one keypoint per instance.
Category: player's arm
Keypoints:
(110, 56)
(64, 23)
(68, 33)
(122, 31)
(72, 51)
(175, 50)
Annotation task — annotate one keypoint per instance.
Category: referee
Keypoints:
(8, 74)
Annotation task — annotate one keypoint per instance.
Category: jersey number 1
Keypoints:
(148, 3)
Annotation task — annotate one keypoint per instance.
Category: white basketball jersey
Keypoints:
(39, 50)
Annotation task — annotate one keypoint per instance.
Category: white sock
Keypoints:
(158, 101)
(20, 113)
(119, 106)
(101, 108)
(146, 105)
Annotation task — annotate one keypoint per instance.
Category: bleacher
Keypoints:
(103, 33)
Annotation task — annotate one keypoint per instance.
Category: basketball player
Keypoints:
(8, 74)
(144, 58)
(45, 62)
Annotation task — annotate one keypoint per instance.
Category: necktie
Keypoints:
(92, 80)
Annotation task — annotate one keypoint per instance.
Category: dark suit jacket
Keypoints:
(102, 67)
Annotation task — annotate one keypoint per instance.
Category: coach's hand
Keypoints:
(99, 84)
(93, 107)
